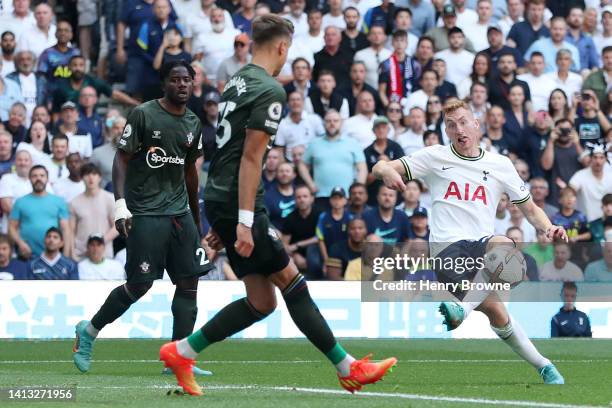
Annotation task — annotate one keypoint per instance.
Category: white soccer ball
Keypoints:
(506, 265)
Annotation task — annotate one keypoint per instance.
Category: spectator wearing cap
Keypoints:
(458, 60)
(603, 39)
(381, 149)
(335, 160)
(399, 73)
(51, 264)
(526, 32)
(53, 62)
(239, 59)
(33, 85)
(16, 122)
(385, 221)
(299, 233)
(598, 81)
(298, 127)
(419, 228)
(477, 33)
(90, 123)
(360, 126)
(592, 183)
(353, 39)
(279, 199)
(569, 321)
(40, 36)
(440, 34)
(549, 46)
(373, 55)
(10, 268)
(381, 16)
(92, 212)
(171, 48)
(78, 142)
(96, 265)
(589, 56)
(70, 187)
(540, 85)
(216, 45)
(69, 89)
(332, 224)
(7, 46)
(495, 38)
(209, 123)
(332, 57)
(343, 252)
(33, 214)
(598, 226)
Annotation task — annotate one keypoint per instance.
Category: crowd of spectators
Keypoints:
(366, 80)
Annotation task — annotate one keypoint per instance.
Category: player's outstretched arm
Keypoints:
(391, 173)
(122, 214)
(249, 177)
(191, 182)
(538, 218)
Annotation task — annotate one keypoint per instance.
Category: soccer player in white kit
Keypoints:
(466, 183)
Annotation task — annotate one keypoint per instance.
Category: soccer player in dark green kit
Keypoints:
(155, 179)
(250, 111)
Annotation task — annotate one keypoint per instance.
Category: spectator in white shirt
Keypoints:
(334, 17)
(214, 46)
(428, 82)
(564, 79)
(481, 72)
(38, 138)
(465, 16)
(374, 54)
(412, 140)
(458, 60)
(360, 126)
(313, 39)
(19, 19)
(96, 266)
(561, 268)
(8, 43)
(477, 33)
(298, 127)
(592, 183)
(42, 35)
(298, 17)
(68, 126)
(198, 24)
(71, 186)
(540, 84)
(604, 38)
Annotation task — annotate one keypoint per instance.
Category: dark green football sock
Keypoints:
(308, 319)
(116, 304)
(232, 319)
(184, 312)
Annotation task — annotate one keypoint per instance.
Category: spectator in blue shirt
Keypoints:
(51, 264)
(600, 270)
(53, 62)
(526, 32)
(244, 16)
(9, 95)
(589, 57)
(549, 46)
(332, 225)
(33, 214)
(570, 322)
(419, 227)
(342, 252)
(381, 15)
(423, 16)
(10, 268)
(89, 121)
(389, 223)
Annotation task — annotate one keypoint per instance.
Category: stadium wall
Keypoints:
(50, 309)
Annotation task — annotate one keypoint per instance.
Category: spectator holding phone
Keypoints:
(591, 123)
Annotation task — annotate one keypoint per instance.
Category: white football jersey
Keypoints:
(464, 191)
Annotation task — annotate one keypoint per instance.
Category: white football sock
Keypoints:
(92, 331)
(513, 335)
(344, 367)
(184, 349)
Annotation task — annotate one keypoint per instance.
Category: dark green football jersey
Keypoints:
(161, 144)
(252, 99)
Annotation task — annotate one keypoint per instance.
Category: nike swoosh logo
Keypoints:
(446, 168)
(288, 204)
(384, 233)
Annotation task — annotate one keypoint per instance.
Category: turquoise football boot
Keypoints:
(83, 344)
(453, 314)
(551, 375)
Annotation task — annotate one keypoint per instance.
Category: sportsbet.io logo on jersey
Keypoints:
(157, 157)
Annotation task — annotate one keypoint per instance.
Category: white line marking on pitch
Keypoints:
(290, 361)
(462, 400)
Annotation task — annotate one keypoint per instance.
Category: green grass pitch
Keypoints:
(291, 373)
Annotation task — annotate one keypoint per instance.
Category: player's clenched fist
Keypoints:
(556, 233)
(244, 241)
(123, 218)
(392, 179)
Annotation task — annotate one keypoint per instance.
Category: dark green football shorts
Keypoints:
(156, 243)
(269, 254)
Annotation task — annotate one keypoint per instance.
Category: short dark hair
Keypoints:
(536, 54)
(430, 70)
(455, 30)
(90, 168)
(300, 59)
(351, 8)
(606, 199)
(4, 239)
(270, 27)
(75, 57)
(56, 230)
(326, 72)
(8, 32)
(569, 286)
(605, 50)
(59, 136)
(38, 167)
(399, 34)
(475, 84)
(506, 53)
(401, 10)
(164, 71)
(564, 120)
(302, 186)
(426, 38)
(356, 184)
